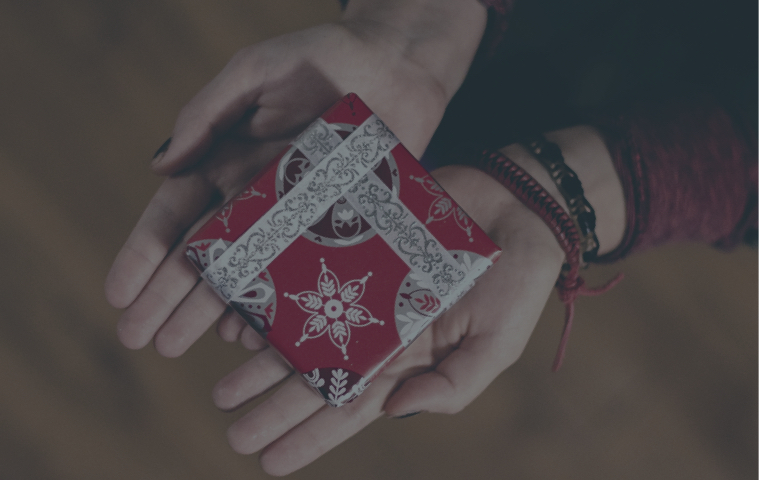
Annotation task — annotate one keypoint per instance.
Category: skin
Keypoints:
(406, 59)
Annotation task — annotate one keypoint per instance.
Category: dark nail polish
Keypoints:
(161, 151)
(408, 415)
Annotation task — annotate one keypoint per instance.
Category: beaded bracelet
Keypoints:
(569, 284)
(550, 156)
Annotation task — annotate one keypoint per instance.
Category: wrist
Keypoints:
(585, 152)
(440, 36)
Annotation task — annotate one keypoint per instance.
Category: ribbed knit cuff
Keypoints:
(689, 173)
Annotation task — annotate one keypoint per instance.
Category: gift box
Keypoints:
(341, 251)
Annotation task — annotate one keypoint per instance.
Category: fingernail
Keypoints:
(407, 415)
(160, 152)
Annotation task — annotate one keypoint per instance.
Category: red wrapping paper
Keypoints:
(337, 301)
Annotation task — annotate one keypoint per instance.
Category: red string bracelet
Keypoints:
(569, 284)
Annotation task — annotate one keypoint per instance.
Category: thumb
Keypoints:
(455, 382)
(212, 112)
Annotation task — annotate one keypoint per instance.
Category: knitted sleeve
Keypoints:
(498, 21)
(689, 172)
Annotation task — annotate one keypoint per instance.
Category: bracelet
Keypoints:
(550, 156)
(569, 284)
(538, 200)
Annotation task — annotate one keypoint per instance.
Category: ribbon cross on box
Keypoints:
(383, 267)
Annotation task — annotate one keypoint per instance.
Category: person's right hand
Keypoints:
(405, 65)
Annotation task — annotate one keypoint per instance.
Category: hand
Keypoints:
(450, 364)
(404, 66)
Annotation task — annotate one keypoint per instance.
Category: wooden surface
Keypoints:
(660, 380)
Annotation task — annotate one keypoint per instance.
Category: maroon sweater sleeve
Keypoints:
(498, 21)
(689, 172)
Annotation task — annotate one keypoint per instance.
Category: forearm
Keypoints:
(440, 36)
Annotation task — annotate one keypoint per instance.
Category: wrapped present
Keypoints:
(341, 251)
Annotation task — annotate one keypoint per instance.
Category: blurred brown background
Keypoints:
(660, 380)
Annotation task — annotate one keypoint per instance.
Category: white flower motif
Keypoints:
(346, 214)
(334, 309)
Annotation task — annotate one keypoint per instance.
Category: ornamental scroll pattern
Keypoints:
(317, 141)
(298, 208)
(406, 235)
(341, 225)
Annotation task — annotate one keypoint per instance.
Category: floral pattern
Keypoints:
(334, 309)
(417, 305)
(225, 213)
(442, 206)
(343, 387)
(406, 236)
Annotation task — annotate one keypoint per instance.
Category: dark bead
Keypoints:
(571, 185)
(591, 254)
(587, 222)
(552, 151)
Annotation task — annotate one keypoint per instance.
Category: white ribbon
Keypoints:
(300, 207)
(317, 141)
(406, 235)
(340, 168)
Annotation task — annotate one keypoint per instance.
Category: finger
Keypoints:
(197, 312)
(251, 340)
(175, 206)
(213, 111)
(325, 430)
(290, 405)
(251, 379)
(170, 284)
(230, 326)
(456, 381)
(463, 373)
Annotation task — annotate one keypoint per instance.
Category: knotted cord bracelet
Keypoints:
(569, 284)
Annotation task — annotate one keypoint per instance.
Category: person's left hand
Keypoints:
(449, 365)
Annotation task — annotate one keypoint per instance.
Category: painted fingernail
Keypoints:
(407, 415)
(160, 152)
